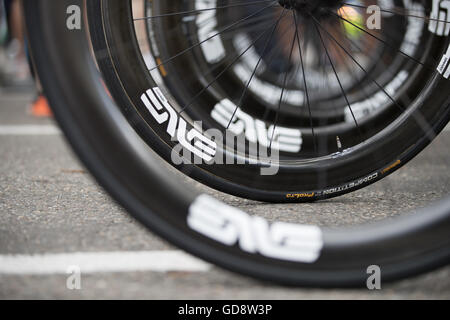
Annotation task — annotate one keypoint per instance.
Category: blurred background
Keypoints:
(16, 74)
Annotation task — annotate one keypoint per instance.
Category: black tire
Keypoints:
(130, 172)
(297, 180)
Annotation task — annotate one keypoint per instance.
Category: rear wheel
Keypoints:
(329, 106)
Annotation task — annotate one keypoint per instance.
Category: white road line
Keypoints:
(96, 262)
(15, 97)
(29, 130)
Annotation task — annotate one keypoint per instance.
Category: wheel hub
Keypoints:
(310, 6)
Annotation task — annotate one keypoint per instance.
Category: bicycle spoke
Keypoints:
(198, 11)
(281, 96)
(397, 12)
(256, 68)
(304, 81)
(360, 66)
(383, 41)
(226, 69)
(210, 37)
(337, 76)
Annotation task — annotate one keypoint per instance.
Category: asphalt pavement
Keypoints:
(51, 207)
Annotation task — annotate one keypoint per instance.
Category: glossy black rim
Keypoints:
(392, 135)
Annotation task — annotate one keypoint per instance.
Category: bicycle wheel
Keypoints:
(288, 253)
(288, 138)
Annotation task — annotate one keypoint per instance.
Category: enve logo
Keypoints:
(440, 18)
(256, 131)
(231, 226)
(193, 140)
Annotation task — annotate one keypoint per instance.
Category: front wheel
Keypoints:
(288, 253)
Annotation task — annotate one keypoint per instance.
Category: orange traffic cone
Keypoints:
(40, 108)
